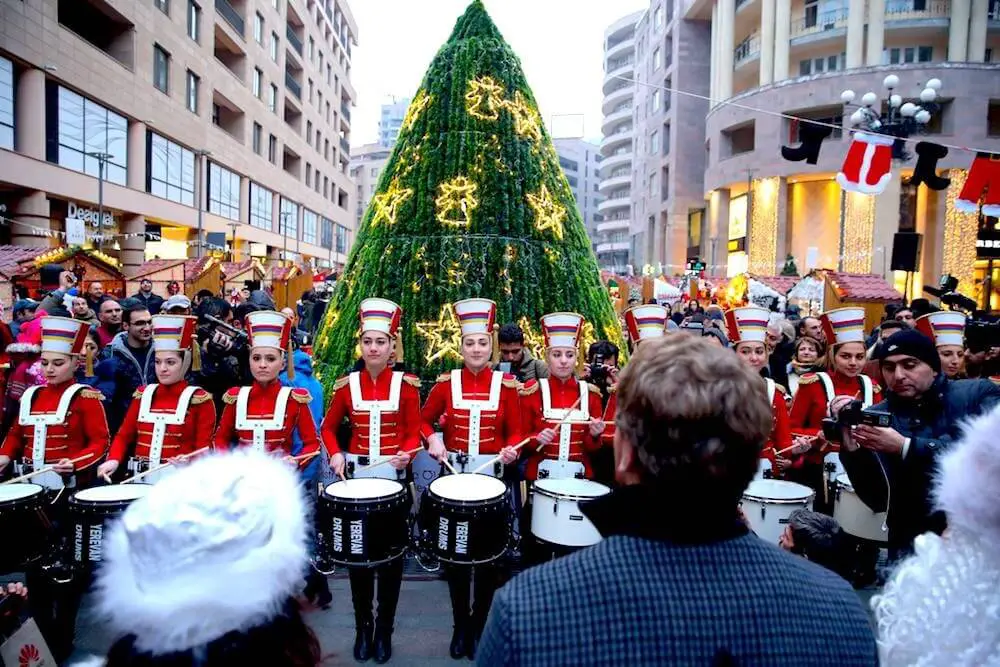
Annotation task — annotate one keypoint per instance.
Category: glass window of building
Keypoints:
(274, 46)
(657, 58)
(272, 99)
(192, 91)
(258, 138)
(261, 201)
(341, 239)
(170, 170)
(658, 18)
(258, 28)
(163, 6)
(258, 82)
(6, 104)
(309, 222)
(657, 94)
(272, 149)
(79, 130)
(161, 68)
(326, 238)
(194, 21)
(223, 192)
(289, 218)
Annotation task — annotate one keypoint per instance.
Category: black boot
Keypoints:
(458, 639)
(472, 644)
(383, 644)
(363, 642)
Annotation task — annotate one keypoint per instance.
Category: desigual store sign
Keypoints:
(93, 217)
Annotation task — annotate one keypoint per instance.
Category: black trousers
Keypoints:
(390, 579)
(472, 589)
(54, 598)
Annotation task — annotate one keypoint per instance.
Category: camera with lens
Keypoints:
(598, 371)
(854, 414)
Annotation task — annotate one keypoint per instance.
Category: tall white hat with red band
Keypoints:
(476, 316)
(173, 332)
(747, 324)
(562, 329)
(843, 325)
(64, 335)
(648, 321)
(380, 315)
(944, 328)
(269, 328)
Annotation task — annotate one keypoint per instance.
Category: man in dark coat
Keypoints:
(678, 579)
(892, 468)
(129, 358)
(152, 302)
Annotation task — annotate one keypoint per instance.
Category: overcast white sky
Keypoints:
(560, 43)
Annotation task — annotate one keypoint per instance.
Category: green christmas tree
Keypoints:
(472, 203)
(790, 269)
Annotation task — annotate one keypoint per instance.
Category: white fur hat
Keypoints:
(942, 606)
(216, 547)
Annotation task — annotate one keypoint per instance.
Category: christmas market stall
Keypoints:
(770, 291)
(22, 270)
(808, 293)
(287, 283)
(868, 291)
(191, 275)
(237, 275)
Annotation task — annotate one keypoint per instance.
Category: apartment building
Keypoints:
(170, 116)
(797, 57)
(391, 121)
(580, 161)
(367, 163)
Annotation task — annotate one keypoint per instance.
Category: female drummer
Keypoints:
(171, 419)
(482, 417)
(60, 425)
(847, 356)
(747, 330)
(947, 330)
(382, 407)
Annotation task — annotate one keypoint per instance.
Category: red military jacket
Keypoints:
(234, 429)
(564, 393)
(498, 427)
(194, 433)
(84, 431)
(399, 428)
(781, 433)
(608, 437)
(812, 402)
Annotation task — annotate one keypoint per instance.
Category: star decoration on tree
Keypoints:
(419, 103)
(549, 214)
(527, 122)
(532, 341)
(444, 336)
(387, 204)
(456, 201)
(484, 98)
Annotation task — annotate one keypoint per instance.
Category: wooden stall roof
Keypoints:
(20, 261)
(780, 284)
(195, 267)
(862, 287)
(232, 269)
(14, 258)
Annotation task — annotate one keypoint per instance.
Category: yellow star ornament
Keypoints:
(387, 204)
(444, 337)
(527, 123)
(417, 106)
(484, 98)
(456, 201)
(549, 214)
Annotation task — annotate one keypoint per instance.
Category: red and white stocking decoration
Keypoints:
(983, 181)
(867, 167)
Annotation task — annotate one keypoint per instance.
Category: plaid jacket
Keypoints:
(638, 599)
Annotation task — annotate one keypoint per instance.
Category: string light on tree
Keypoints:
(456, 274)
(532, 341)
(419, 103)
(444, 337)
(484, 98)
(456, 201)
(549, 214)
(386, 205)
(527, 123)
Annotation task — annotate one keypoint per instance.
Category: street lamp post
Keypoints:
(101, 159)
(203, 179)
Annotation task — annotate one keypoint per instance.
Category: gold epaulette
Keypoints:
(229, 398)
(612, 389)
(511, 383)
(594, 389)
(444, 377)
(808, 378)
(341, 383)
(412, 380)
(91, 393)
(781, 389)
(137, 394)
(200, 396)
(528, 389)
(301, 395)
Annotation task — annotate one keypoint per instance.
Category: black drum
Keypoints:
(24, 525)
(466, 518)
(364, 522)
(88, 512)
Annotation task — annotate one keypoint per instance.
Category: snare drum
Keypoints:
(466, 518)
(556, 517)
(854, 517)
(363, 522)
(764, 470)
(463, 462)
(137, 466)
(556, 469)
(49, 479)
(767, 504)
(23, 524)
(89, 510)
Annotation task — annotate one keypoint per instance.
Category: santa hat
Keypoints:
(220, 546)
(747, 324)
(269, 328)
(562, 329)
(940, 607)
(944, 328)
(176, 333)
(843, 325)
(649, 321)
(383, 316)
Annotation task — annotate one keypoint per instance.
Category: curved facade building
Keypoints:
(795, 57)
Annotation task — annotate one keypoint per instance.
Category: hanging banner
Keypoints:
(76, 233)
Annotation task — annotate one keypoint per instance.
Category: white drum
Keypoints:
(556, 517)
(767, 504)
(49, 479)
(763, 464)
(465, 463)
(555, 469)
(854, 517)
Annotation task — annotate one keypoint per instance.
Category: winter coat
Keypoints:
(90, 318)
(933, 423)
(125, 376)
(153, 302)
(529, 368)
(304, 379)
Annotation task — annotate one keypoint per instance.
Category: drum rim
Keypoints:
(468, 501)
(780, 501)
(542, 491)
(842, 485)
(368, 499)
(39, 491)
(368, 563)
(75, 497)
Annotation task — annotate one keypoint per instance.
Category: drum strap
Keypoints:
(260, 427)
(827, 381)
(160, 420)
(475, 408)
(582, 415)
(375, 409)
(771, 388)
(42, 422)
(867, 391)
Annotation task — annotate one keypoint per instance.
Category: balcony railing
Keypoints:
(747, 49)
(293, 39)
(345, 145)
(231, 14)
(618, 64)
(345, 111)
(292, 85)
(901, 10)
(815, 23)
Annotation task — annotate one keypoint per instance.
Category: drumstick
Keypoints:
(386, 460)
(521, 444)
(45, 469)
(137, 477)
(305, 457)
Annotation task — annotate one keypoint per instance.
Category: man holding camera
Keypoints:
(892, 467)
